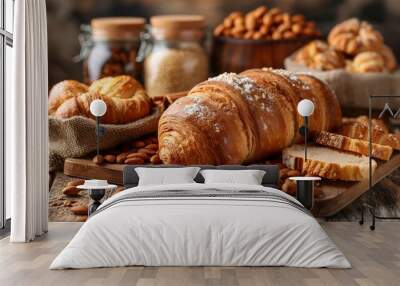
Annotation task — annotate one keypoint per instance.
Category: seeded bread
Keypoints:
(358, 146)
(328, 163)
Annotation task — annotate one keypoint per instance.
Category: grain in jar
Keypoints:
(177, 60)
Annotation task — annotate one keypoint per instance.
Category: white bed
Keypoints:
(249, 226)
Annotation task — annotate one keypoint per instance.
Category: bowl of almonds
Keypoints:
(260, 38)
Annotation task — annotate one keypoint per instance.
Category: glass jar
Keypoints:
(177, 59)
(116, 42)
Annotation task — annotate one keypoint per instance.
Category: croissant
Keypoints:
(119, 111)
(353, 36)
(64, 90)
(240, 118)
(366, 62)
(125, 98)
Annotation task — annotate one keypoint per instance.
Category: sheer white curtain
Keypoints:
(26, 123)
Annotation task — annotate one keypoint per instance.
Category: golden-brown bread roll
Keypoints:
(367, 62)
(64, 90)
(122, 86)
(306, 54)
(232, 119)
(388, 57)
(119, 111)
(318, 55)
(125, 98)
(354, 36)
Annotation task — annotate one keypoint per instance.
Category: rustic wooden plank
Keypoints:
(338, 195)
(86, 169)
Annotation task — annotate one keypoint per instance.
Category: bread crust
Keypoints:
(63, 91)
(234, 119)
(358, 129)
(357, 146)
(329, 170)
(125, 98)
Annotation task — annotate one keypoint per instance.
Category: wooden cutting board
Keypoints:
(336, 195)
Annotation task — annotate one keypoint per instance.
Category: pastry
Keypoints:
(367, 62)
(388, 57)
(354, 36)
(357, 146)
(119, 111)
(64, 90)
(125, 98)
(238, 118)
(328, 163)
(318, 55)
(122, 86)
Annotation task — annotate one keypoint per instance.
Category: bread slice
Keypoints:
(359, 130)
(358, 146)
(328, 163)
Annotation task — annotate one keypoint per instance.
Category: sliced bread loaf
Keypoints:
(328, 163)
(359, 130)
(358, 146)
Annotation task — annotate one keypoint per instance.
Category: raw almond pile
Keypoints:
(73, 201)
(137, 152)
(264, 23)
(289, 186)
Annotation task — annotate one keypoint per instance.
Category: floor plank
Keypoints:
(375, 257)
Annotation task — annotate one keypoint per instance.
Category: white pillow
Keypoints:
(248, 177)
(164, 176)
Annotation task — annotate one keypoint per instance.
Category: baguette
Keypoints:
(328, 163)
(358, 146)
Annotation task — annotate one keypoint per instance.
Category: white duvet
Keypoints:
(192, 231)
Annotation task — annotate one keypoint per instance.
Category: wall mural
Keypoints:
(175, 94)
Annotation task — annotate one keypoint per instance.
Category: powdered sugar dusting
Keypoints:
(247, 87)
(290, 75)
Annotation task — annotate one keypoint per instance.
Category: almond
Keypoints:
(138, 155)
(79, 210)
(67, 203)
(219, 30)
(121, 158)
(289, 187)
(152, 146)
(98, 159)
(293, 173)
(71, 191)
(155, 159)
(134, 161)
(75, 183)
(147, 151)
(110, 158)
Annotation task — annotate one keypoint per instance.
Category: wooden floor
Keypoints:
(375, 257)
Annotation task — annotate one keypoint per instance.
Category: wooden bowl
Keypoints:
(237, 55)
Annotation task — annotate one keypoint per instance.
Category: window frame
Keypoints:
(6, 39)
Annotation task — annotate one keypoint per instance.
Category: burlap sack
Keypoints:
(353, 89)
(76, 136)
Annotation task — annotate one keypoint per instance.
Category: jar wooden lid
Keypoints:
(178, 21)
(117, 28)
(178, 27)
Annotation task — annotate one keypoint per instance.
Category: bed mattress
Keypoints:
(201, 225)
